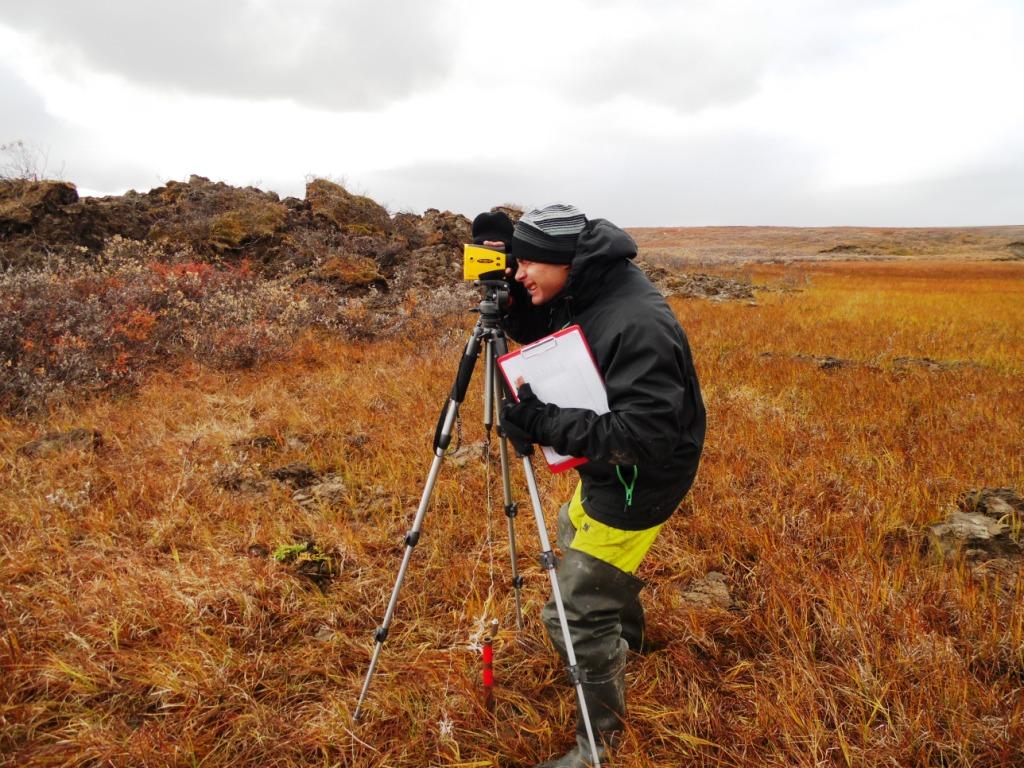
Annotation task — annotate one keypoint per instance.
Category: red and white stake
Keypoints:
(488, 666)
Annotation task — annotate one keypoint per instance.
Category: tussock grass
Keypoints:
(143, 620)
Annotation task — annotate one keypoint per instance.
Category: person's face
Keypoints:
(542, 281)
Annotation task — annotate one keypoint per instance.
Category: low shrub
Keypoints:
(77, 324)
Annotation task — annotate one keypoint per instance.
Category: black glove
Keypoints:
(520, 440)
(519, 420)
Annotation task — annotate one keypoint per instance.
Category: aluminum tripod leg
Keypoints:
(442, 439)
(411, 539)
(492, 398)
(549, 562)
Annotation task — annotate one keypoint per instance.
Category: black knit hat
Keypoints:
(548, 234)
(492, 226)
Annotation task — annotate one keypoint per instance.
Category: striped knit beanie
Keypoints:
(548, 234)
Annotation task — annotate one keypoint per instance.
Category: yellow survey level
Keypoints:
(478, 260)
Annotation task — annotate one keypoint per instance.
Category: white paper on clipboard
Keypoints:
(560, 369)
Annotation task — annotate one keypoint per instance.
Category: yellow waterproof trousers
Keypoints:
(623, 549)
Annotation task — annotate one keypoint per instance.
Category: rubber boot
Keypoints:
(634, 627)
(594, 594)
(606, 705)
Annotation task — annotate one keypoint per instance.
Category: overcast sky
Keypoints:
(646, 112)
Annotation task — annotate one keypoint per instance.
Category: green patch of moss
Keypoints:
(308, 560)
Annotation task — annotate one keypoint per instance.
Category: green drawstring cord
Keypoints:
(628, 486)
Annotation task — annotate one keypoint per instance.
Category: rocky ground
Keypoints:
(983, 530)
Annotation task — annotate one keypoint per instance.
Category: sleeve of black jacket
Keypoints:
(646, 376)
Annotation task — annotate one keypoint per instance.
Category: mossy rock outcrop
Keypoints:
(247, 224)
(23, 204)
(214, 218)
(333, 238)
(354, 214)
(446, 228)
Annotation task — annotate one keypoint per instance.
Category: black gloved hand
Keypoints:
(519, 420)
(521, 441)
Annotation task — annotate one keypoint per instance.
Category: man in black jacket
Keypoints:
(642, 454)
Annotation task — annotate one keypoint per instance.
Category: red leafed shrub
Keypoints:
(76, 325)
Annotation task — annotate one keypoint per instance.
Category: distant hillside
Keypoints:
(729, 245)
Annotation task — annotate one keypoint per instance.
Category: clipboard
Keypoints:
(560, 369)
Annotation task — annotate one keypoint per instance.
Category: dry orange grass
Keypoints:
(142, 622)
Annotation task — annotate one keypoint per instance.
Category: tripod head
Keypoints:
(494, 299)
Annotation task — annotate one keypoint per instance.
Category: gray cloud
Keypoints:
(25, 119)
(463, 188)
(671, 68)
(693, 55)
(727, 179)
(25, 115)
(684, 56)
(341, 54)
(57, 149)
(983, 197)
(731, 179)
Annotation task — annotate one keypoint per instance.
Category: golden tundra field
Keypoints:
(181, 594)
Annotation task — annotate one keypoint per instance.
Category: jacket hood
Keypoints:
(601, 246)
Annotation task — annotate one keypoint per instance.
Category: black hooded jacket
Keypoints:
(656, 421)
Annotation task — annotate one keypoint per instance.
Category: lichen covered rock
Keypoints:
(984, 524)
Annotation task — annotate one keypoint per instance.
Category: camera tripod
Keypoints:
(487, 335)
